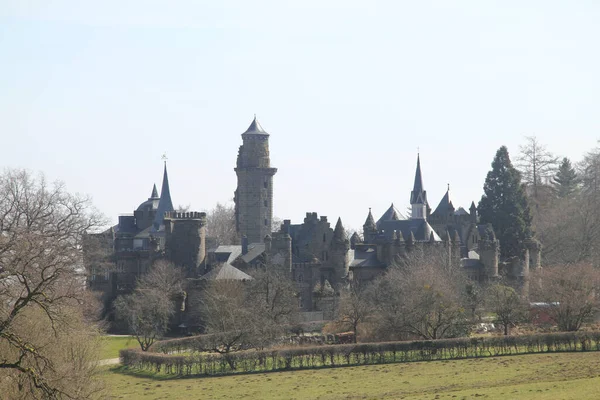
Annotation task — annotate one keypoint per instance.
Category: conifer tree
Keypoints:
(566, 181)
(505, 206)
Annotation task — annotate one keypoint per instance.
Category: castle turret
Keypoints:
(146, 212)
(369, 228)
(185, 239)
(354, 240)
(254, 194)
(340, 246)
(418, 196)
(473, 213)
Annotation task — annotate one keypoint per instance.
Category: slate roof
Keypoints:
(255, 128)
(365, 258)
(391, 214)
(151, 203)
(420, 228)
(445, 205)
(254, 250)
(165, 204)
(461, 211)
(226, 272)
(370, 221)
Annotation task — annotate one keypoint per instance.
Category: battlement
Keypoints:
(185, 215)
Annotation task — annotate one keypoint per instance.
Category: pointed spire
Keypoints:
(411, 238)
(473, 207)
(339, 233)
(418, 195)
(370, 222)
(445, 207)
(165, 204)
(447, 236)
(154, 194)
(355, 239)
(255, 128)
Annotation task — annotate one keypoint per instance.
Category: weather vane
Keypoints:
(164, 157)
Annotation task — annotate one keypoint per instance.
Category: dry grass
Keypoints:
(538, 376)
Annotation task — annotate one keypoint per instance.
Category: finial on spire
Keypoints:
(448, 186)
(164, 158)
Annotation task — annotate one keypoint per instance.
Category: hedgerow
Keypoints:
(158, 359)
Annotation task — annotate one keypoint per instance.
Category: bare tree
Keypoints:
(355, 307)
(164, 277)
(41, 285)
(422, 297)
(220, 224)
(227, 317)
(147, 311)
(570, 294)
(506, 304)
(536, 164)
(271, 298)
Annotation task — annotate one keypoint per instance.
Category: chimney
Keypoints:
(244, 244)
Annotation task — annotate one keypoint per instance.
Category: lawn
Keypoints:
(112, 344)
(536, 376)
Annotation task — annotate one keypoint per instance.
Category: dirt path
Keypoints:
(110, 361)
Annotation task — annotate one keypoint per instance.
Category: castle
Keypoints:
(319, 258)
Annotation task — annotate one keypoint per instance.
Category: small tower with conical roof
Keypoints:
(473, 213)
(339, 252)
(418, 196)
(254, 194)
(369, 228)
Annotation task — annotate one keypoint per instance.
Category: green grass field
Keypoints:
(537, 376)
(112, 344)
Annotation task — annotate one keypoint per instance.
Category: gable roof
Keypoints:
(226, 272)
(391, 214)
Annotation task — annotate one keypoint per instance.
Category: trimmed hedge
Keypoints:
(349, 354)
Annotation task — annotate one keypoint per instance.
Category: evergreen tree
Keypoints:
(566, 181)
(505, 206)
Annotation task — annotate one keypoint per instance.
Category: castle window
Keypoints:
(266, 222)
(106, 274)
(121, 266)
(300, 278)
(324, 238)
(266, 203)
(300, 302)
(266, 184)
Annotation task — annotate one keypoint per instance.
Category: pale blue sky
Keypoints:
(93, 93)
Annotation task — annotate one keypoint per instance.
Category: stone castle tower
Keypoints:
(254, 194)
(185, 239)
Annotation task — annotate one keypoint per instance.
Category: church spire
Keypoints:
(165, 204)
(418, 196)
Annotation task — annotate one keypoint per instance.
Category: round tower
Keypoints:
(185, 239)
(254, 194)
